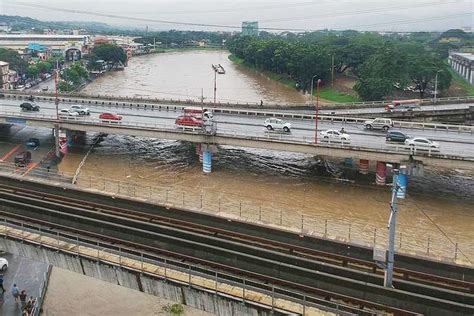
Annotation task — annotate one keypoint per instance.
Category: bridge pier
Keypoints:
(380, 173)
(199, 151)
(206, 161)
(75, 138)
(363, 166)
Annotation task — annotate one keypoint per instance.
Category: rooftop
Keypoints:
(469, 56)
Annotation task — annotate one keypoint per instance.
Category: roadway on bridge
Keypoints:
(452, 143)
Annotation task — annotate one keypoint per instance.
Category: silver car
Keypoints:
(422, 143)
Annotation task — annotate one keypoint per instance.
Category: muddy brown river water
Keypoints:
(280, 189)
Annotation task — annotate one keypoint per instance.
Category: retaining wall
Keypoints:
(194, 297)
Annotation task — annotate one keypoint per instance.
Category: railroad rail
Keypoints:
(248, 255)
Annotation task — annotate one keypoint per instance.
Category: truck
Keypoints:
(198, 112)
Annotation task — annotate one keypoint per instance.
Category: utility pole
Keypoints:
(392, 222)
(317, 113)
(215, 84)
(436, 86)
(56, 102)
(332, 70)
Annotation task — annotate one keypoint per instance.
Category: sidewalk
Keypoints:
(27, 275)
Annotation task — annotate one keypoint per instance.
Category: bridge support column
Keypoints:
(75, 138)
(364, 166)
(472, 77)
(380, 173)
(206, 161)
(199, 151)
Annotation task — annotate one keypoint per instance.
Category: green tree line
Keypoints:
(381, 64)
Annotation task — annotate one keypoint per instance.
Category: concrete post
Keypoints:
(56, 140)
(380, 173)
(206, 161)
(364, 166)
(472, 77)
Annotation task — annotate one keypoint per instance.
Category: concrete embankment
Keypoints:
(192, 296)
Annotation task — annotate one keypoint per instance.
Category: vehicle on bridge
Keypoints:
(403, 105)
(22, 159)
(334, 135)
(27, 106)
(379, 123)
(33, 142)
(199, 113)
(396, 136)
(67, 112)
(110, 118)
(422, 143)
(80, 109)
(188, 121)
(274, 123)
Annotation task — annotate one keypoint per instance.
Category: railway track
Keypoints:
(342, 278)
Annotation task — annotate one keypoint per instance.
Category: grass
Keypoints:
(330, 94)
(459, 80)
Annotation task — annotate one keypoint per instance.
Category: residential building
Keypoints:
(4, 70)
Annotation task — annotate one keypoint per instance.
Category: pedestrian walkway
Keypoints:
(28, 275)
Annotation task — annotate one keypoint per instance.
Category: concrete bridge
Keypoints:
(463, 63)
(460, 155)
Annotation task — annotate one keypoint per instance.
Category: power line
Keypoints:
(129, 18)
(352, 13)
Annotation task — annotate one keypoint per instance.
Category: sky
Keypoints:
(215, 15)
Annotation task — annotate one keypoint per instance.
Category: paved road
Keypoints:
(302, 130)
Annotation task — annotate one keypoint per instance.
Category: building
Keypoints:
(72, 47)
(250, 28)
(4, 74)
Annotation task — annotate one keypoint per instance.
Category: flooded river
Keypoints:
(182, 75)
(281, 189)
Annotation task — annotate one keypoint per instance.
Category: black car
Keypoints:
(29, 107)
(23, 159)
(396, 136)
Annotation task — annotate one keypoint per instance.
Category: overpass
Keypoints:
(447, 109)
(458, 154)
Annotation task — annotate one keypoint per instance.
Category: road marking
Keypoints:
(8, 154)
(30, 167)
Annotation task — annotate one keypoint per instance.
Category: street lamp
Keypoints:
(317, 112)
(436, 86)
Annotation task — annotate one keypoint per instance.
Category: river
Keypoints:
(284, 189)
(183, 75)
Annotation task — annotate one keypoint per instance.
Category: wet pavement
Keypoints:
(27, 275)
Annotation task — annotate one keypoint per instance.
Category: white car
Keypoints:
(334, 135)
(80, 109)
(67, 112)
(277, 124)
(422, 143)
(3, 264)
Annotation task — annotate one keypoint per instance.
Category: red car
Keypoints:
(187, 120)
(110, 117)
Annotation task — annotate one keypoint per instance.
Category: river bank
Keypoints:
(341, 93)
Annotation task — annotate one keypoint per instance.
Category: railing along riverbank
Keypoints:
(244, 105)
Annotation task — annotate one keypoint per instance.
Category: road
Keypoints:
(452, 143)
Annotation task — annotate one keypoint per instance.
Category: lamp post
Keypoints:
(436, 86)
(56, 102)
(317, 112)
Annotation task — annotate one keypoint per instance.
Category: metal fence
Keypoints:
(101, 99)
(170, 270)
(430, 243)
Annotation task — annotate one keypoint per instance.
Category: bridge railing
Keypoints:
(267, 135)
(103, 99)
(296, 216)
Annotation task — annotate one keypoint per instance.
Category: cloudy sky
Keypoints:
(278, 15)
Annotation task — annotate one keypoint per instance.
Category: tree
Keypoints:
(13, 58)
(109, 53)
(44, 66)
(32, 71)
(422, 70)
